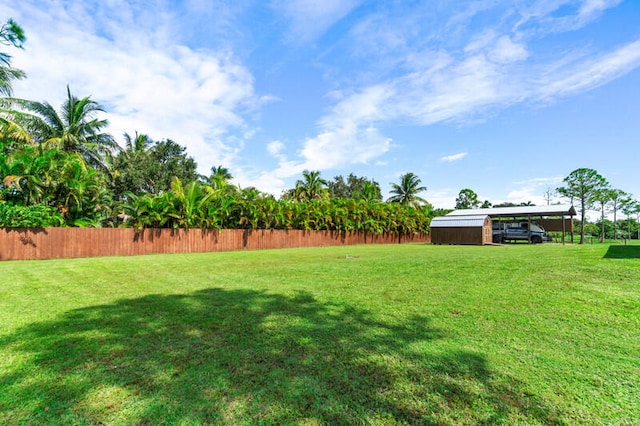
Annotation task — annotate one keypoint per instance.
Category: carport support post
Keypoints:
(563, 229)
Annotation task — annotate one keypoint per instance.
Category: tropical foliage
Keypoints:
(133, 192)
(146, 166)
(198, 205)
(75, 128)
(11, 34)
(60, 168)
(35, 216)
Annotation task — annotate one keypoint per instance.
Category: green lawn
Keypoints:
(399, 334)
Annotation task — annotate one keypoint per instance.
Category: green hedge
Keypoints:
(34, 216)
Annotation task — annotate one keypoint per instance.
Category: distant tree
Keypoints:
(510, 204)
(549, 193)
(629, 206)
(354, 187)
(591, 229)
(467, 199)
(605, 228)
(618, 197)
(636, 210)
(601, 199)
(406, 192)
(170, 160)
(440, 212)
(145, 166)
(505, 204)
(581, 185)
(338, 188)
(11, 34)
(131, 167)
(486, 204)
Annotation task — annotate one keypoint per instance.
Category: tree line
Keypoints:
(591, 190)
(588, 190)
(60, 167)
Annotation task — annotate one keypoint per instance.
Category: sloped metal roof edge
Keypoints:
(551, 210)
(458, 221)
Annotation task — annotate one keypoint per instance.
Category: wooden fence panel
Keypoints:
(555, 225)
(54, 243)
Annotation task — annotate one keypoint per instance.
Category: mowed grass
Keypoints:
(398, 334)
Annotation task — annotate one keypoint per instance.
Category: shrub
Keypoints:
(34, 216)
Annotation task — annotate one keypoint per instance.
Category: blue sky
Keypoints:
(503, 97)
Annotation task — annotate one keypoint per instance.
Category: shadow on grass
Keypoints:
(622, 252)
(246, 357)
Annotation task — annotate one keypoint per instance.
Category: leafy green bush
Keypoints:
(34, 216)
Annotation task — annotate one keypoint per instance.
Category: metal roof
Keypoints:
(553, 210)
(458, 222)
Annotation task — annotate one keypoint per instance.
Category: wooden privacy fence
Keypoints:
(54, 243)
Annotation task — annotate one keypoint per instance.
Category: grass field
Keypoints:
(400, 334)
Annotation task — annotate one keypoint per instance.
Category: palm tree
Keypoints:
(219, 178)
(10, 35)
(83, 196)
(312, 186)
(406, 192)
(74, 129)
(190, 203)
(136, 145)
(129, 170)
(25, 172)
(370, 192)
(10, 130)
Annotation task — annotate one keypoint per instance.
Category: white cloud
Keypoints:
(454, 157)
(441, 198)
(146, 84)
(275, 148)
(586, 74)
(337, 147)
(309, 19)
(534, 190)
(506, 51)
(501, 49)
(344, 145)
(264, 181)
(595, 7)
(347, 135)
(591, 10)
(494, 71)
(461, 88)
(553, 16)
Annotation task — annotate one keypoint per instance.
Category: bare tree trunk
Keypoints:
(582, 215)
(602, 223)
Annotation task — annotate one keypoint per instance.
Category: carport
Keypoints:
(553, 218)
